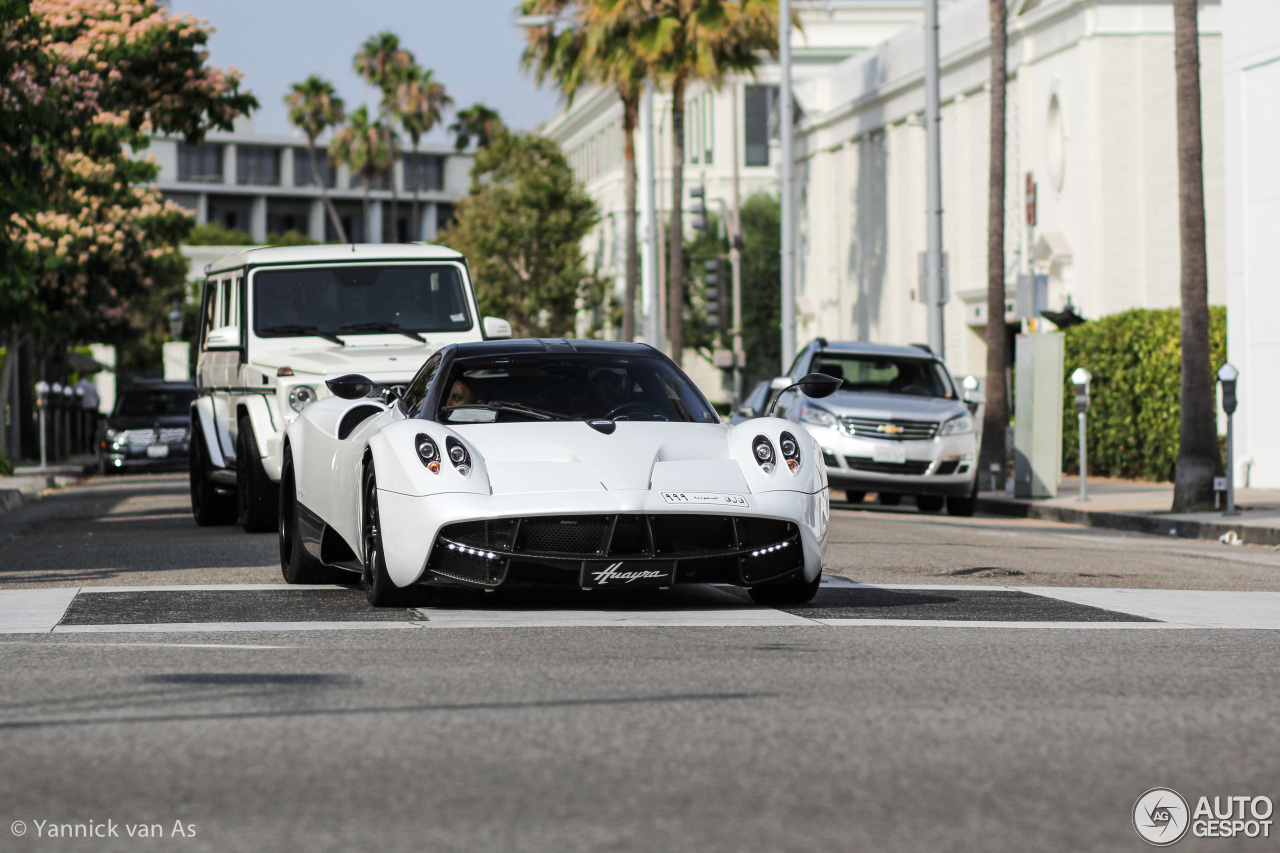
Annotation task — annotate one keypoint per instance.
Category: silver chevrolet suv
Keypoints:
(898, 425)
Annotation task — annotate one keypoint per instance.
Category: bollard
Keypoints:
(1080, 379)
(1228, 375)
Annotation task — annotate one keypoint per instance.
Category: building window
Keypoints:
(258, 164)
(708, 129)
(759, 103)
(302, 175)
(200, 163)
(379, 181)
(424, 171)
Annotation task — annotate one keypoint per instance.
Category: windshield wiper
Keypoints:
(383, 327)
(298, 329)
(514, 408)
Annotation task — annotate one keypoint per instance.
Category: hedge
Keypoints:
(1133, 422)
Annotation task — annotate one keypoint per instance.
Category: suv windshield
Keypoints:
(570, 387)
(916, 377)
(359, 300)
(157, 403)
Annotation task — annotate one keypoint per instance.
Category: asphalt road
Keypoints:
(406, 732)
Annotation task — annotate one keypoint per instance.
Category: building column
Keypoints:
(315, 220)
(430, 220)
(373, 228)
(286, 165)
(202, 209)
(258, 219)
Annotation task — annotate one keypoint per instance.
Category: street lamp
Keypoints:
(175, 322)
(1228, 376)
(1080, 379)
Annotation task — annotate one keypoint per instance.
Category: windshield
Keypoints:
(175, 401)
(571, 386)
(359, 300)
(916, 377)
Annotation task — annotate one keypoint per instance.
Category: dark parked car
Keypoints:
(149, 428)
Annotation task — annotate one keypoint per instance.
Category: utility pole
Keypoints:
(785, 116)
(735, 257)
(935, 296)
(654, 325)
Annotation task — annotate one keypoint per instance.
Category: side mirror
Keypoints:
(228, 337)
(815, 385)
(353, 386)
(496, 329)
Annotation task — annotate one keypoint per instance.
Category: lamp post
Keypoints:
(1080, 379)
(935, 294)
(786, 120)
(175, 321)
(1228, 376)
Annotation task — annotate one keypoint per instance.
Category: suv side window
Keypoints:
(416, 394)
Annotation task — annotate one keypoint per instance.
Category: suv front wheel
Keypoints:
(257, 498)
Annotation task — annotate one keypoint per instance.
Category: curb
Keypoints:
(1153, 525)
(11, 499)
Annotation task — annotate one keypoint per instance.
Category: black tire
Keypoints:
(787, 594)
(208, 507)
(296, 562)
(855, 497)
(930, 503)
(963, 505)
(380, 590)
(889, 498)
(257, 498)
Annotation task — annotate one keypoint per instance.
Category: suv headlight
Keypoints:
(811, 414)
(959, 425)
(301, 396)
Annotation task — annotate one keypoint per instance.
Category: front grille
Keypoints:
(139, 436)
(895, 430)
(489, 533)
(910, 467)
(829, 459)
(692, 534)
(947, 467)
(763, 531)
(471, 568)
(580, 534)
(169, 435)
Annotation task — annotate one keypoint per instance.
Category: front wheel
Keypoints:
(296, 562)
(378, 586)
(788, 593)
(256, 496)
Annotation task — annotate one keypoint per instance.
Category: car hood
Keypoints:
(891, 406)
(524, 458)
(376, 362)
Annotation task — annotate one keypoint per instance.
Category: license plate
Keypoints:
(705, 498)
(157, 451)
(620, 574)
(892, 453)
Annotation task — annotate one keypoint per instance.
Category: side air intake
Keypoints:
(354, 417)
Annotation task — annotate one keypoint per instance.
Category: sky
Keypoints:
(473, 46)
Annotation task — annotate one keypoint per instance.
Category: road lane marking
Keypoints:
(960, 623)
(33, 611)
(746, 617)
(1189, 608)
(220, 627)
(59, 645)
(215, 587)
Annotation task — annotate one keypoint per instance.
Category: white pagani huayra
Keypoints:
(549, 462)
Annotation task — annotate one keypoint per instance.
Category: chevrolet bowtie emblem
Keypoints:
(889, 429)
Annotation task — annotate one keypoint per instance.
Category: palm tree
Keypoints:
(1198, 455)
(683, 40)
(383, 64)
(995, 432)
(361, 145)
(478, 122)
(420, 99)
(603, 51)
(314, 107)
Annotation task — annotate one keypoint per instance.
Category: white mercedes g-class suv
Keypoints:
(275, 323)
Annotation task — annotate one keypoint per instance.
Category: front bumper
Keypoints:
(562, 539)
(136, 457)
(944, 465)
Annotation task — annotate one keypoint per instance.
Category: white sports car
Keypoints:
(551, 462)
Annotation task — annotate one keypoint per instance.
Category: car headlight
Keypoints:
(959, 425)
(811, 414)
(790, 450)
(301, 396)
(428, 453)
(458, 456)
(762, 449)
(113, 434)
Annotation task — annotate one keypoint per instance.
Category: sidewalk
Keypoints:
(30, 481)
(1144, 508)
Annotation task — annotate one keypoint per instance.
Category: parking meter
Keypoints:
(1080, 379)
(1228, 376)
(42, 405)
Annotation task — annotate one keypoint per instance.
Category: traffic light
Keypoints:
(715, 289)
(701, 219)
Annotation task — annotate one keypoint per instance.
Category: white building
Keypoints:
(590, 132)
(1091, 122)
(1251, 69)
(262, 184)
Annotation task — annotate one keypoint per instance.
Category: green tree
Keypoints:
(684, 40)
(361, 145)
(521, 230)
(420, 101)
(600, 49)
(1199, 457)
(384, 64)
(476, 122)
(314, 107)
